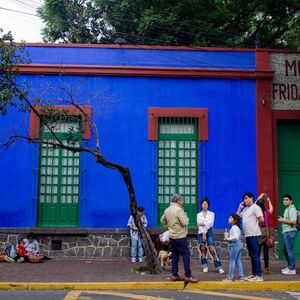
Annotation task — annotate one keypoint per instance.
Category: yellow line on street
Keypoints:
(228, 295)
(74, 295)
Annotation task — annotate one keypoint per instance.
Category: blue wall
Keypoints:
(227, 160)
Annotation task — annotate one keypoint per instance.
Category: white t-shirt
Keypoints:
(208, 220)
(250, 215)
(234, 233)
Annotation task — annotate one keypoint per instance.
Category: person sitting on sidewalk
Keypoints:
(206, 241)
(31, 245)
(137, 251)
(177, 221)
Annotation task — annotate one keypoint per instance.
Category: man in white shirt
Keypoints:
(252, 215)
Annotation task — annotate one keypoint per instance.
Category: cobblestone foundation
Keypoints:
(110, 243)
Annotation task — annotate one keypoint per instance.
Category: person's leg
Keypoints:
(202, 251)
(239, 260)
(251, 252)
(266, 255)
(255, 253)
(289, 238)
(232, 260)
(183, 249)
(175, 258)
(133, 248)
(140, 249)
(284, 249)
(213, 249)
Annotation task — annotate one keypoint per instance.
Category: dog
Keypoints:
(164, 257)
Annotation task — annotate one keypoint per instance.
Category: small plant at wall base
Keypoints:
(15, 93)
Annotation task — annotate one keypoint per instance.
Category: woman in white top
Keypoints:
(205, 222)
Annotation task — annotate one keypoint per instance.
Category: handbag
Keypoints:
(270, 240)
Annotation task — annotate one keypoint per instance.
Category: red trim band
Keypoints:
(145, 71)
(34, 130)
(155, 112)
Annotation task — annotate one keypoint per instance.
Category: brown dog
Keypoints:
(164, 257)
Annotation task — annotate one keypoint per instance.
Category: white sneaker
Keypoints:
(205, 270)
(141, 260)
(249, 277)
(285, 269)
(221, 271)
(227, 280)
(289, 272)
(133, 260)
(255, 278)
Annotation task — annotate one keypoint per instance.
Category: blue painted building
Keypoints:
(182, 119)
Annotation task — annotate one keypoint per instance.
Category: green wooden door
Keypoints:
(178, 164)
(58, 198)
(288, 137)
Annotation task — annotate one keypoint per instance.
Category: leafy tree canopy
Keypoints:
(223, 23)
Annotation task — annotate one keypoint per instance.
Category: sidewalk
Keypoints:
(114, 273)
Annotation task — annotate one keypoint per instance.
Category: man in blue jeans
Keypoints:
(252, 215)
(289, 232)
(177, 221)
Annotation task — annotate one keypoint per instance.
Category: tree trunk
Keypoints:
(153, 264)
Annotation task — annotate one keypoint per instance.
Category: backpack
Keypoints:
(10, 251)
(298, 220)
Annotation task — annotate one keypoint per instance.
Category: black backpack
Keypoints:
(298, 220)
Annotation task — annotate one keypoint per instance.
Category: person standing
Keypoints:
(177, 222)
(265, 228)
(289, 232)
(235, 248)
(252, 215)
(137, 251)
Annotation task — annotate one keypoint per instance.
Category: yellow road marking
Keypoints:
(73, 295)
(228, 295)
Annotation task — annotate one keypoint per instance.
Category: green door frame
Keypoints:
(59, 179)
(178, 166)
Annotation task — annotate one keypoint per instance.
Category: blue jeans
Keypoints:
(288, 248)
(180, 247)
(137, 248)
(235, 258)
(253, 249)
(212, 247)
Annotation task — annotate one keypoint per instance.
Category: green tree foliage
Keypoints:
(223, 23)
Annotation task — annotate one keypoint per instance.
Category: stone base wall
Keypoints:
(102, 243)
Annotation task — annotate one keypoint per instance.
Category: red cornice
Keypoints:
(137, 47)
(155, 112)
(34, 130)
(145, 71)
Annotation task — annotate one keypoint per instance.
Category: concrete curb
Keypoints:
(209, 285)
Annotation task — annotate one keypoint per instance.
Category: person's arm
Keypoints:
(37, 247)
(259, 214)
(210, 219)
(292, 218)
(163, 219)
(182, 217)
(241, 207)
(145, 221)
(200, 220)
(233, 234)
(271, 209)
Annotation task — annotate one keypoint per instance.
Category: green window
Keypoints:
(59, 174)
(178, 164)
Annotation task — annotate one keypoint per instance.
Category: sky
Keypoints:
(19, 17)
